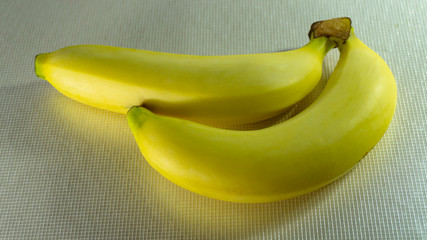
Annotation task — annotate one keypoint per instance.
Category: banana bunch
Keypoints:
(291, 158)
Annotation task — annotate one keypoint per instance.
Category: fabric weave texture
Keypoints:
(69, 171)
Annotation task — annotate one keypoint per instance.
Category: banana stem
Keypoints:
(336, 29)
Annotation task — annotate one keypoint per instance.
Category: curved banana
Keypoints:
(232, 89)
(291, 158)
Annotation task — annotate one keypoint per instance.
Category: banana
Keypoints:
(229, 89)
(285, 160)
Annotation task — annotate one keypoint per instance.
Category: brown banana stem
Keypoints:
(337, 29)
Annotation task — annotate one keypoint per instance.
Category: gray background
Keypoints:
(68, 171)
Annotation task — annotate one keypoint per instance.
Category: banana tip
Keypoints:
(137, 116)
(38, 60)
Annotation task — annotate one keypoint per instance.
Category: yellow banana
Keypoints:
(231, 89)
(291, 158)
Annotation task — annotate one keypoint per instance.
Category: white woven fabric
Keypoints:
(69, 171)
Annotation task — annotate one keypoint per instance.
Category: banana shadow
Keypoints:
(93, 176)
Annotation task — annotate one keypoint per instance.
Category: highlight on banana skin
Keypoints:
(173, 101)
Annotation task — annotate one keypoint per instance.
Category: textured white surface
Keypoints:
(68, 171)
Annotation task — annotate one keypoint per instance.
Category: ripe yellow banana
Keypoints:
(294, 157)
(231, 89)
